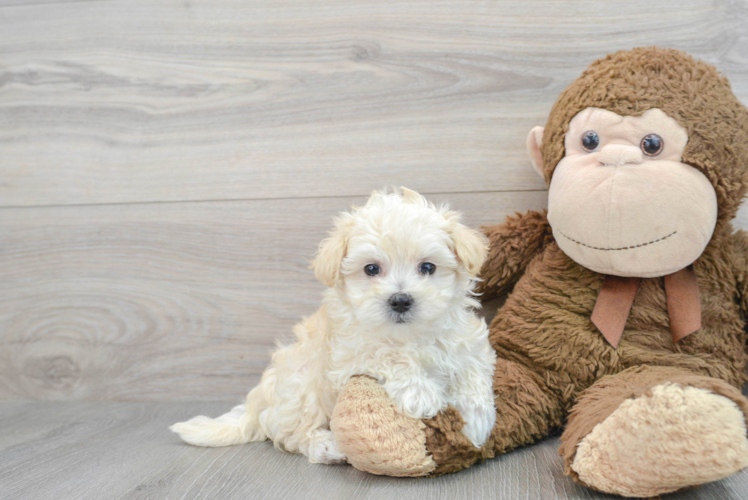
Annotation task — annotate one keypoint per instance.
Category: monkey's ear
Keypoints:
(534, 140)
(327, 262)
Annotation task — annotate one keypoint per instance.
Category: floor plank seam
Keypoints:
(229, 200)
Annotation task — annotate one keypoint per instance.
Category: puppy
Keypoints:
(400, 308)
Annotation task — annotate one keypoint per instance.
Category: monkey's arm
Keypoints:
(740, 258)
(513, 245)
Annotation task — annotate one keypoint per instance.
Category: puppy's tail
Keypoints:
(239, 426)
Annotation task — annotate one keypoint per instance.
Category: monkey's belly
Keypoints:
(545, 325)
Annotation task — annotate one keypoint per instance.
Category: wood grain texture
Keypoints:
(119, 119)
(165, 301)
(135, 101)
(168, 168)
(81, 451)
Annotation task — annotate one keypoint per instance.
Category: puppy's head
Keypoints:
(399, 260)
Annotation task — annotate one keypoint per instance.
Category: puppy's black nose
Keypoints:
(401, 302)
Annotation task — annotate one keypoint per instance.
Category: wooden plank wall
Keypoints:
(168, 168)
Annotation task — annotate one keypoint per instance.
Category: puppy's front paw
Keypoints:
(416, 398)
(323, 449)
(479, 417)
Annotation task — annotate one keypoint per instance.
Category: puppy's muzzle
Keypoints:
(401, 302)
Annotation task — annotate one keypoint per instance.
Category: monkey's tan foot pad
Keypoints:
(669, 439)
(374, 436)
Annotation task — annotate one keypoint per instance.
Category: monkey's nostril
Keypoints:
(400, 302)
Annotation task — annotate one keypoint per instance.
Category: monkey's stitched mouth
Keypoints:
(621, 248)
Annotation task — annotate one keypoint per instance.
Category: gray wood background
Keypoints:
(167, 168)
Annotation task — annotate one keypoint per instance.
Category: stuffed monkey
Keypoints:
(626, 319)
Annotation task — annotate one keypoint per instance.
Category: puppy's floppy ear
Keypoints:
(471, 246)
(326, 263)
(410, 196)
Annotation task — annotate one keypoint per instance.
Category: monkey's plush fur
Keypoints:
(554, 367)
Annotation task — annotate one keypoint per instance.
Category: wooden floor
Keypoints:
(167, 169)
(110, 450)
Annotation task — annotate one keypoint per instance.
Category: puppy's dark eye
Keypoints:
(427, 268)
(372, 269)
(652, 144)
(590, 140)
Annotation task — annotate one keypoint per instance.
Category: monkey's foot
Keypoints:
(671, 438)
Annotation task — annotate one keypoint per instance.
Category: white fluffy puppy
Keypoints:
(400, 308)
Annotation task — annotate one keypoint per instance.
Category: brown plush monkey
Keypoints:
(626, 322)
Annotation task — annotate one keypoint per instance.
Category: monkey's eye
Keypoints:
(372, 269)
(590, 140)
(652, 144)
(427, 268)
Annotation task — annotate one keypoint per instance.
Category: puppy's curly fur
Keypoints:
(433, 353)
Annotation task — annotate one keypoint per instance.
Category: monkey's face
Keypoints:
(621, 201)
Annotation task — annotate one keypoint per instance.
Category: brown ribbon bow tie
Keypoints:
(617, 296)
